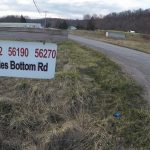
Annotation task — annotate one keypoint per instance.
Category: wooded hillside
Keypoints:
(137, 20)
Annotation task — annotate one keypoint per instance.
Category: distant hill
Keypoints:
(137, 20)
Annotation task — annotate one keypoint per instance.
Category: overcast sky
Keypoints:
(68, 8)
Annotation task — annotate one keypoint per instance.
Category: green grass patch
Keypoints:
(75, 109)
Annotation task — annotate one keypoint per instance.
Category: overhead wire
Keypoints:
(36, 6)
(39, 10)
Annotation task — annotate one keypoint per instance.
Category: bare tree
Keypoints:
(86, 17)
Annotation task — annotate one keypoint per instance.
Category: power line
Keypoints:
(36, 6)
(40, 12)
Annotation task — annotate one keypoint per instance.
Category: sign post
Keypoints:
(27, 59)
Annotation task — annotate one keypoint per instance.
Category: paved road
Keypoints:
(134, 62)
(31, 36)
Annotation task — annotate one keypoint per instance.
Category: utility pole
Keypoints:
(45, 18)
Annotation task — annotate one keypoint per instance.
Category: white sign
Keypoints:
(27, 59)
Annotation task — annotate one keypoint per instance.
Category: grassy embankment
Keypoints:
(75, 110)
(136, 41)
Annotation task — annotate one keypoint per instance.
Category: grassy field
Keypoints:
(75, 110)
(136, 41)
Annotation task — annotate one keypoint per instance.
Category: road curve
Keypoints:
(134, 62)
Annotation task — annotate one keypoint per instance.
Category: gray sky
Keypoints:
(69, 8)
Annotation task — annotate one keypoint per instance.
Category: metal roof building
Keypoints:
(20, 25)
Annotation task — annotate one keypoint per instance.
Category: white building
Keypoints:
(72, 28)
(132, 31)
(20, 25)
(115, 35)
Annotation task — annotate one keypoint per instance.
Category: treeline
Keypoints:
(137, 20)
(14, 19)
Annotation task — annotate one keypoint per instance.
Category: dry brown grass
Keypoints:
(75, 110)
(135, 41)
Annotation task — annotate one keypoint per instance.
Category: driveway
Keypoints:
(136, 63)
